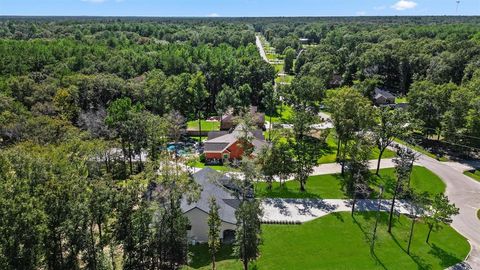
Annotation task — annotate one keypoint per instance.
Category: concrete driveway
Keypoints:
(303, 210)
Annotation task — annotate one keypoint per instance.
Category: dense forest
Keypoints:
(433, 61)
(81, 97)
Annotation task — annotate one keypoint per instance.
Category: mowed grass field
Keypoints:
(338, 241)
(331, 186)
(206, 125)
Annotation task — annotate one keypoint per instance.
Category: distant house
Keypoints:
(229, 119)
(382, 97)
(212, 184)
(222, 145)
(336, 81)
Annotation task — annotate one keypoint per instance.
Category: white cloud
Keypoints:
(213, 15)
(94, 1)
(404, 4)
(361, 13)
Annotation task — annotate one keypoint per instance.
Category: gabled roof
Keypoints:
(221, 143)
(215, 134)
(209, 181)
(258, 116)
(382, 93)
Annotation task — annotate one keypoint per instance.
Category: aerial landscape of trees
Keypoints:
(88, 107)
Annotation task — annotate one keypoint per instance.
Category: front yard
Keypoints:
(473, 174)
(338, 241)
(330, 186)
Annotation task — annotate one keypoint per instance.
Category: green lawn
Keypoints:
(331, 186)
(201, 260)
(282, 115)
(206, 125)
(475, 175)
(329, 154)
(198, 164)
(284, 79)
(400, 99)
(278, 68)
(338, 241)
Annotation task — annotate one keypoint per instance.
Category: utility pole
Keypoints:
(372, 246)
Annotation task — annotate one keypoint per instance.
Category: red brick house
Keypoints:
(222, 146)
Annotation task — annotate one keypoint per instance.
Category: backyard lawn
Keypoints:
(206, 125)
(338, 241)
(201, 165)
(475, 175)
(330, 186)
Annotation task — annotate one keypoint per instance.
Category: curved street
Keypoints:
(465, 193)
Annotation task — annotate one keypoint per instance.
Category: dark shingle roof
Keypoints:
(379, 92)
(220, 143)
(215, 146)
(208, 179)
(215, 134)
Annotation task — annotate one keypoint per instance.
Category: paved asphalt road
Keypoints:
(261, 49)
(465, 193)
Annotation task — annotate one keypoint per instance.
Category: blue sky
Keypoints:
(230, 8)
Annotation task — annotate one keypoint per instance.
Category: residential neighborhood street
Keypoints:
(465, 193)
(261, 49)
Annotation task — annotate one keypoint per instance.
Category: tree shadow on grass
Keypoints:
(338, 216)
(420, 262)
(201, 256)
(446, 258)
(368, 235)
(388, 183)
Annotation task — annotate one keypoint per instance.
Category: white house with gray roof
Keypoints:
(212, 184)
